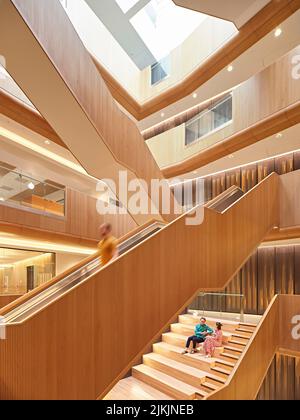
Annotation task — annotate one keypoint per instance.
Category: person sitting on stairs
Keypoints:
(214, 341)
(201, 331)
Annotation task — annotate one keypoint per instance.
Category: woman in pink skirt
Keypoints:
(214, 341)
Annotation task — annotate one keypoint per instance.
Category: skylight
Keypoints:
(126, 5)
(163, 26)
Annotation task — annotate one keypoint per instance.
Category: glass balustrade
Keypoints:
(17, 189)
(209, 120)
(218, 302)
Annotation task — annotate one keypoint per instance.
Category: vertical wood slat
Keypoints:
(248, 176)
(282, 380)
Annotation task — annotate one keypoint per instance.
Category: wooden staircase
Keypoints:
(168, 374)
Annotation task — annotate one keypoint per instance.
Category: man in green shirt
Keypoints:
(201, 331)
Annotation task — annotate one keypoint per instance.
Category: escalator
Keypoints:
(39, 301)
(78, 338)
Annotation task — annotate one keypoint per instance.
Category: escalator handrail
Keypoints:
(225, 194)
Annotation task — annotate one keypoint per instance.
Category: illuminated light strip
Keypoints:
(235, 167)
(43, 254)
(44, 246)
(47, 153)
(277, 245)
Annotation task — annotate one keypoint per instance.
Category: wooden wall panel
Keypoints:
(297, 269)
(289, 307)
(285, 270)
(266, 287)
(18, 112)
(6, 300)
(290, 199)
(81, 219)
(281, 381)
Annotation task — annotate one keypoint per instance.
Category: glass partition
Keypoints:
(9, 87)
(217, 302)
(17, 189)
(209, 120)
(22, 271)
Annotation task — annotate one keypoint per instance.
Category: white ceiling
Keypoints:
(237, 11)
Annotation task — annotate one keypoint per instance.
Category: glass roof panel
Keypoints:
(163, 26)
(126, 5)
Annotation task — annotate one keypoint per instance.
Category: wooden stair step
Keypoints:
(175, 353)
(202, 393)
(245, 330)
(245, 337)
(216, 378)
(193, 360)
(175, 339)
(230, 356)
(221, 370)
(132, 389)
(235, 349)
(225, 363)
(232, 341)
(211, 386)
(247, 324)
(178, 370)
(169, 350)
(164, 383)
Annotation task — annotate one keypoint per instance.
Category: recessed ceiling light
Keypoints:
(2, 199)
(195, 172)
(230, 68)
(231, 156)
(30, 186)
(195, 95)
(279, 135)
(47, 142)
(162, 115)
(277, 32)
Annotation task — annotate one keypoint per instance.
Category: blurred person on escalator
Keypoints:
(108, 246)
